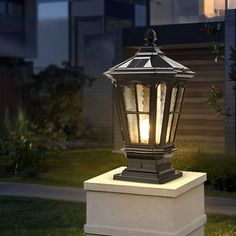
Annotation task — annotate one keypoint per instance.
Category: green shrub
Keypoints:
(220, 168)
(56, 93)
(21, 149)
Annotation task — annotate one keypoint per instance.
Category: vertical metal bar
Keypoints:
(137, 111)
(180, 111)
(166, 113)
(123, 115)
(118, 110)
(174, 112)
(152, 114)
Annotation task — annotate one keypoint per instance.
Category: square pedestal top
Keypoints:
(174, 188)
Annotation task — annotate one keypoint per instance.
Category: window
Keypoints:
(188, 11)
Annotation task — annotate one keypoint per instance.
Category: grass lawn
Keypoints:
(220, 225)
(70, 168)
(37, 217)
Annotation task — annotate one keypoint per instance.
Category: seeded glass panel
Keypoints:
(172, 107)
(144, 128)
(129, 97)
(176, 115)
(143, 94)
(174, 125)
(133, 127)
(161, 97)
(179, 100)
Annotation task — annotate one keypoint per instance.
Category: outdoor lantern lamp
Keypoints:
(149, 90)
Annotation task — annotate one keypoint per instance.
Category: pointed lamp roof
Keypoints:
(150, 59)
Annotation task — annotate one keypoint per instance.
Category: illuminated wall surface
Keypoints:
(191, 11)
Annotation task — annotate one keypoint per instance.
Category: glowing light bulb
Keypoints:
(144, 130)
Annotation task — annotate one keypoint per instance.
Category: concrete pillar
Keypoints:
(125, 208)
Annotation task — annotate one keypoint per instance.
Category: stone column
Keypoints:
(123, 208)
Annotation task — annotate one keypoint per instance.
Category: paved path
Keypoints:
(42, 191)
(222, 205)
(219, 205)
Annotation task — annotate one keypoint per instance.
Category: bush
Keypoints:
(52, 100)
(220, 168)
(21, 149)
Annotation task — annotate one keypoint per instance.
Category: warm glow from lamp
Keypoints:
(144, 130)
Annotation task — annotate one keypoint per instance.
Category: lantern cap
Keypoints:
(150, 59)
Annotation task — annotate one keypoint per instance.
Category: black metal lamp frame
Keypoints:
(149, 162)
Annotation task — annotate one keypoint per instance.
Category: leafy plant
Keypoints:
(220, 168)
(225, 183)
(21, 149)
(212, 31)
(213, 97)
(53, 101)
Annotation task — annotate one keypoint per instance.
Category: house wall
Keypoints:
(95, 46)
(86, 18)
(18, 34)
(52, 43)
(200, 127)
(18, 37)
(53, 34)
(102, 51)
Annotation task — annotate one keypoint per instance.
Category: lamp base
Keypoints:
(147, 177)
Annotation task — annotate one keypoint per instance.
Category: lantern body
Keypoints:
(149, 90)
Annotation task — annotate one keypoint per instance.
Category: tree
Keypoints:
(50, 99)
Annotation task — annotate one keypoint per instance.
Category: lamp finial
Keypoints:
(150, 37)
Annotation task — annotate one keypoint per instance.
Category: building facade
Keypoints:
(18, 28)
(18, 37)
(101, 37)
(96, 27)
(53, 33)
(191, 11)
